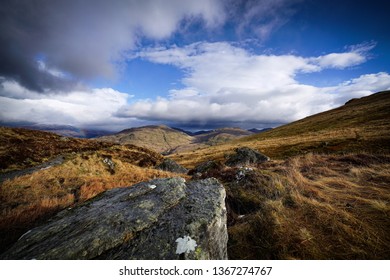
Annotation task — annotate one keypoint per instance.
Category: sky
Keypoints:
(193, 64)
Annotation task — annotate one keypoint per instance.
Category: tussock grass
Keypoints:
(311, 207)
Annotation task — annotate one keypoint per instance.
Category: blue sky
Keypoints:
(193, 64)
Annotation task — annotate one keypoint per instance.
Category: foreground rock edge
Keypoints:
(149, 220)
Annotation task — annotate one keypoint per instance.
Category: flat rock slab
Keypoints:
(159, 219)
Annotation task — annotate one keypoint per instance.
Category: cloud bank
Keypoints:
(226, 83)
(50, 49)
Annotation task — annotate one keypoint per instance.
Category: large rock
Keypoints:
(159, 219)
(206, 169)
(245, 156)
(172, 166)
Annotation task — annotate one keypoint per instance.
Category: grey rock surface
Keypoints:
(159, 219)
(245, 156)
(172, 166)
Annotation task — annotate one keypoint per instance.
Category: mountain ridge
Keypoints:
(359, 125)
(167, 140)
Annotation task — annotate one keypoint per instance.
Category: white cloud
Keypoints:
(356, 55)
(226, 83)
(340, 60)
(85, 108)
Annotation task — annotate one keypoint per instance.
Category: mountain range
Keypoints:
(169, 140)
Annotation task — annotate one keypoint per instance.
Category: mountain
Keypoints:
(360, 125)
(158, 138)
(167, 140)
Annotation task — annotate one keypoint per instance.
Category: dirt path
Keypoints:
(13, 174)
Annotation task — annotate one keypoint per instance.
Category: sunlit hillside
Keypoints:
(361, 125)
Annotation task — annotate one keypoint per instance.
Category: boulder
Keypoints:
(172, 166)
(205, 169)
(245, 156)
(159, 219)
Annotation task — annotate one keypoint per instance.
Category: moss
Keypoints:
(199, 254)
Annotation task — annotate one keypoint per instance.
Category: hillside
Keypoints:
(323, 195)
(221, 135)
(157, 138)
(85, 169)
(164, 139)
(361, 125)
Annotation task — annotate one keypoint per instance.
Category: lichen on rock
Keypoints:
(150, 220)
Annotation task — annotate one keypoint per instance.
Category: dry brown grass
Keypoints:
(29, 200)
(311, 207)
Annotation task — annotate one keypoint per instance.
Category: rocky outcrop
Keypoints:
(246, 156)
(172, 166)
(159, 219)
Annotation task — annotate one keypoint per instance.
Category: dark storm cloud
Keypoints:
(84, 39)
(22, 35)
(56, 32)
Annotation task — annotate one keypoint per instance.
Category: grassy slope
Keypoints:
(309, 207)
(22, 148)
(325, 194)
(29, 200)
(362, 125)
(212, 138)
